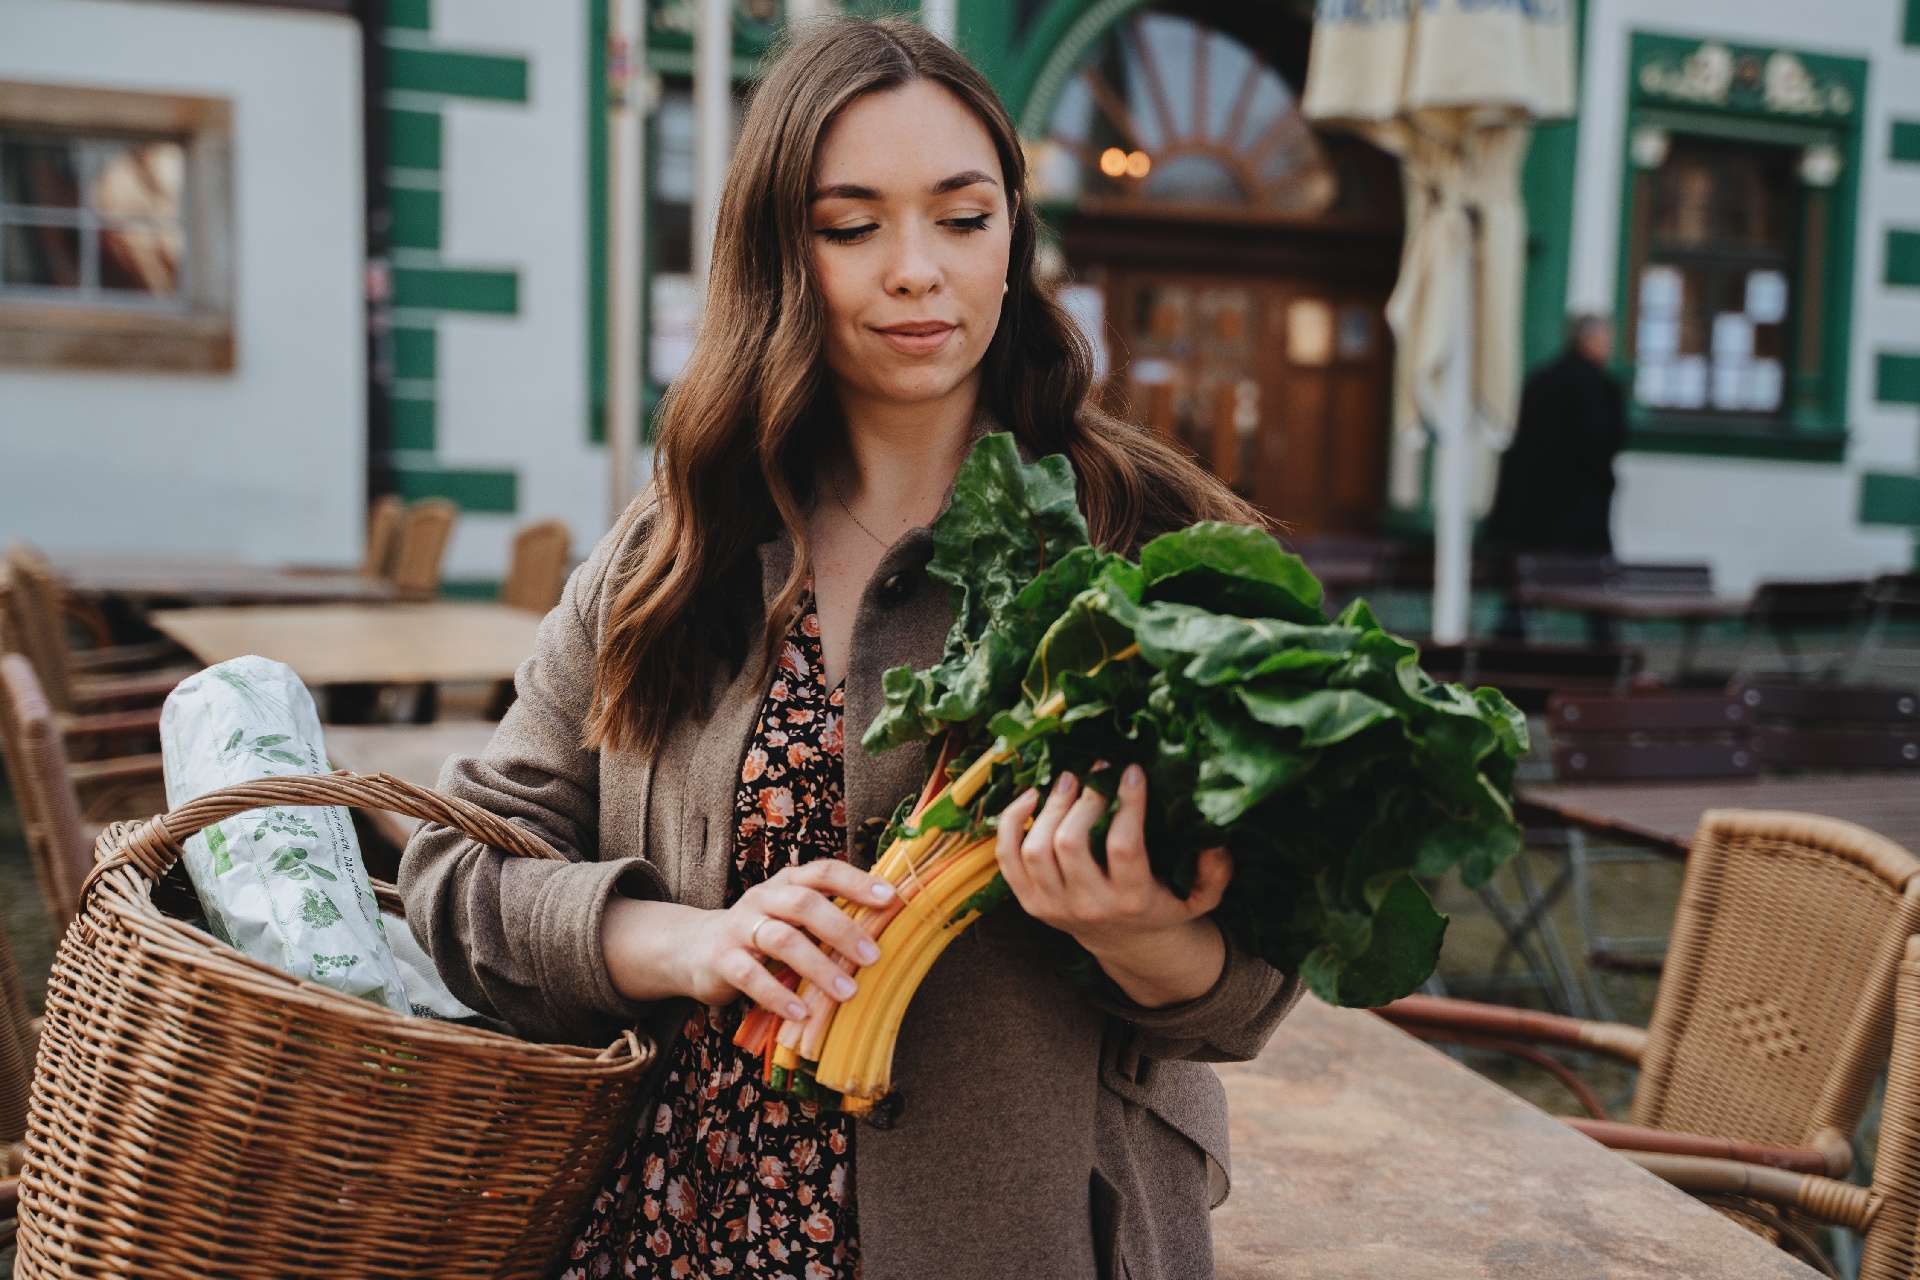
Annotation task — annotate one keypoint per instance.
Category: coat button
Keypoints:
(886, 1110)
(895, 589)
(866, 839)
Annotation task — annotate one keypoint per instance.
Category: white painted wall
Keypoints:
(513, 389)
(1763, 519)
(265, 463)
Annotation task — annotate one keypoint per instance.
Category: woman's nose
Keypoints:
(912, 272)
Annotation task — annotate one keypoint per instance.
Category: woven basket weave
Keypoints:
(196, 1113)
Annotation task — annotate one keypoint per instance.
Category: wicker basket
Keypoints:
(196, 1113)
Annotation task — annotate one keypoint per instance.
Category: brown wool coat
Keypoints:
(1044, 1130)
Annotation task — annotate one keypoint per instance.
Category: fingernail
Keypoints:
(843, 987)
(866, 952)
(796, 1011)
(1067, 785)
(1030, 794)
(1135, 776)
(882, 891)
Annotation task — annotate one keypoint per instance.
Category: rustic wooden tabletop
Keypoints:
(363, 643)
(209, 581)
(1361, 1154)
(1665, 813)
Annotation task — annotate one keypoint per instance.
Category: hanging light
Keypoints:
(1113, 162)
(1138, 164)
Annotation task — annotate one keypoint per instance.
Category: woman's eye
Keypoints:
(847, 235)
(978, 222)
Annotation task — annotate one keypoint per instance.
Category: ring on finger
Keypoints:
(753, 934)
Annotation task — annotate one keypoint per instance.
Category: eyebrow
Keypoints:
(853, 191)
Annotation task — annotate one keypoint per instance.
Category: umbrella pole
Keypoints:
(1452, 485)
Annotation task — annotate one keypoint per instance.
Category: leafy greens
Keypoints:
(1317, 751)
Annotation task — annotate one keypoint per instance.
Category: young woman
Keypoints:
(681, 734)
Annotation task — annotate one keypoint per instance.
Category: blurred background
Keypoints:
(332, 330)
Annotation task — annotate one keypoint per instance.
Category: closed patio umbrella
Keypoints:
(1451, 87)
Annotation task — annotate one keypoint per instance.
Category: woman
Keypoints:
(679, 734)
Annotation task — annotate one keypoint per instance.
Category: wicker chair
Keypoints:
(1775, 1002)
(383, 535)
(34, 622)
(421, 547)
(1886, 1214)
(537, 569)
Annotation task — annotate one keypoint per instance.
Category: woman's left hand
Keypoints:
(1159, 948)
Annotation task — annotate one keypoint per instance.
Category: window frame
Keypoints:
(1814, 426)
(192, 332)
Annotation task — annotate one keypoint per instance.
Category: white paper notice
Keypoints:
(1766, 297)
(1660, 290)
(1730, 384)
(1764, 385)
(1732, 337)
(1688, 389)
(1659, 337)
(1650, 383)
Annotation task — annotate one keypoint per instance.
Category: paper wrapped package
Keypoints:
(284, 885)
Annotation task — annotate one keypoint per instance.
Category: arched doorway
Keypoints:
(1236, 260)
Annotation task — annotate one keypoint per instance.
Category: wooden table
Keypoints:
(410, 752)
(197, 580)
(1664, 814)
(1690, 609)
(364, 644)
(1361, 1154)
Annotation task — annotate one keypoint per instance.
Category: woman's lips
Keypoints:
(916, 337)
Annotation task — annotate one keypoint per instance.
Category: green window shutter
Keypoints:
(1896, 378)
(1903, 255)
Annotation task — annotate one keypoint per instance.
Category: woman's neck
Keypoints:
(900, 460)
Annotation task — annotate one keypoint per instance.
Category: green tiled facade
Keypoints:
(1896, 378)
(1903, 257)
(1904, 143)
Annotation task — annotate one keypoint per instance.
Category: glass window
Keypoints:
(1716, 279)
(92, 219)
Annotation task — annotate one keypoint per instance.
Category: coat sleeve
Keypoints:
(513, 937)
(1232, 1022)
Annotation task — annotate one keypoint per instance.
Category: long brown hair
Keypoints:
(740, 426)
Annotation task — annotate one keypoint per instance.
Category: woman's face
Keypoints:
(911, 235)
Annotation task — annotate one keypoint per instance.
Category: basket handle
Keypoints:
(153, 846)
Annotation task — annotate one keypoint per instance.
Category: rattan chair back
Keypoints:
(1890, 1249)
(383, 535)
(197, 1113)
(537, 569)
(422, 546)
(1775, 1005)
(43, 787)
(19, 1041)
(36, 623)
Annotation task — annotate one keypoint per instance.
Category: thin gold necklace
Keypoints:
(835, 484)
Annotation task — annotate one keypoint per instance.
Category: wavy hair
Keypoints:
(742, 423)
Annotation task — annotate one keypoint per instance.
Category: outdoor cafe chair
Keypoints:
(1774, 1008)
(422, 547)
(80, 681)
(537, 566)
(1831, 724)
(46, 788)
(1886, 1213)
(1798, 617)
(384, 515)
(1891, 600)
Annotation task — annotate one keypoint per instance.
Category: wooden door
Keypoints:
(1280, 386)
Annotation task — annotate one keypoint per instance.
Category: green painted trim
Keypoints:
(1889, 499)
(413, 139)
(1657, 69)
(457, 289)
(409, 15)
(1903, 142)
(416, 353)
(1896, 378)
(1036, 93)
(416, 218)
(1903, 257)
(1910, 31)
(1713, 444)
(495, 492)
(597, 107)
(1546, 188)
(414, 424)
(1818, 411)
(470, 589)
(462, 75)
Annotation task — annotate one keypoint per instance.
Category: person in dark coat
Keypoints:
(1555, 493)
(1556, 478)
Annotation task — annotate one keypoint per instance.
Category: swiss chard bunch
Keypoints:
(1317, 751)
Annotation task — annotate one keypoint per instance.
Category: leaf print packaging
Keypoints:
(283, 885)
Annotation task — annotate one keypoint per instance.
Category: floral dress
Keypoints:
(722, 1177)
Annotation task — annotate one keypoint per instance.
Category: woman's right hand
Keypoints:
(659, 949)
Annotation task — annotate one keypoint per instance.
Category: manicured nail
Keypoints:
(1030, 795)
(1135, 776)
(882, 891)
(843, 987)
(866, 952)
(796, 1011)
(1067, 785)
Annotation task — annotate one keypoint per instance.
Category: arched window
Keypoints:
(1168, 113)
